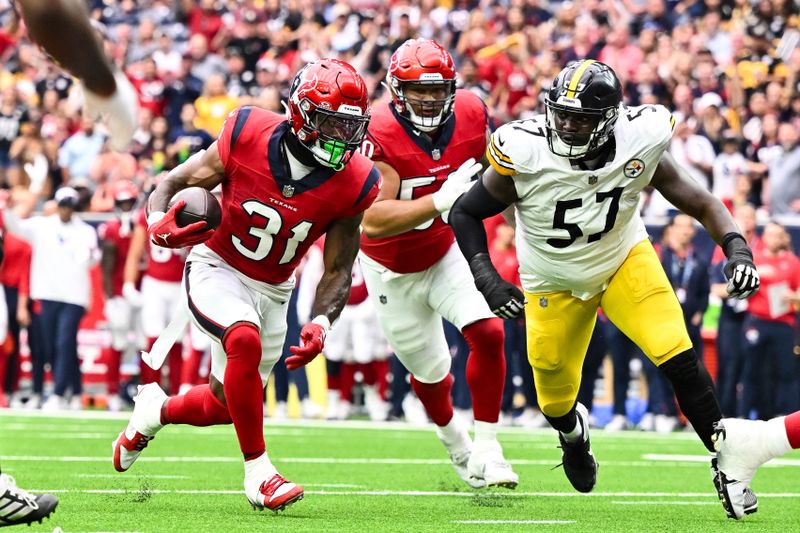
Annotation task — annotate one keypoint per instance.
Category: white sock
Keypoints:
(777, 440)
(577, 433)
(261, 466)
(453, 434)
(485, 431)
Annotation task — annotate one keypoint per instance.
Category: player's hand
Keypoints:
(312, 340)
(132, 294)
(504, 299)
(455, 185)
(743, 278)
(165, 232)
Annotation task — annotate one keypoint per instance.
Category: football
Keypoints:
(201, 205)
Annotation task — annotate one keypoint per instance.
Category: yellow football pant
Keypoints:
(639, 300)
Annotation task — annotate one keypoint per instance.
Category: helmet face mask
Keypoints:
(422, 82)
(581, 109)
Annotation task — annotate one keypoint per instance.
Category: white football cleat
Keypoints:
(266, 489)
(742, 446)
(617, 423)
(145, 422)
(488, 464)
(275, 493)
(120, 109)
(459, 446)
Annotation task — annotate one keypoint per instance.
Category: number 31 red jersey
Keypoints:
(423, 166)
(270, 220)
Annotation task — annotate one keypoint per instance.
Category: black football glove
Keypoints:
(740, 270)
(504, 299)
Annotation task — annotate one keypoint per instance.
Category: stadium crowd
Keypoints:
(728, 70)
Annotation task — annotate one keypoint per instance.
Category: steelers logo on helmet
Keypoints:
(581, 108)
(422, 82)
(328, 110)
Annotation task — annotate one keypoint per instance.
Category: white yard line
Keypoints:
(663, 502)
(705, 458)
(531, 522)
(421, 493)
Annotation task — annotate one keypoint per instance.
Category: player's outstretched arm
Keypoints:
(490, 196)
(391, 215)
(686, 194)
(203, 169)
(341, 247)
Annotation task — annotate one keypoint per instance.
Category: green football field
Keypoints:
(364, 477)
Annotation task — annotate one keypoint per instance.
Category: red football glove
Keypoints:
(167, 234)
(312, 340)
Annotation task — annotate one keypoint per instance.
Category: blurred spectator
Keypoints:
(13, 113)
(78, 153)
(64, 249)
(772, 369)
(693, 152)
(730, 331)
(204, 63)
(214, 105)
(187, 139)
(728, 165)
(784, 174)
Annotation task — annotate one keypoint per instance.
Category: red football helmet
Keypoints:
(329, 110)
(425, 68)
(124, 191)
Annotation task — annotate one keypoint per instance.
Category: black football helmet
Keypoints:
(581, 108)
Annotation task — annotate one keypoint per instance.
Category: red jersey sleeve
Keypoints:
(227, 136)
(370, 188)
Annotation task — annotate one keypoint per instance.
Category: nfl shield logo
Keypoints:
(382, 298)
(436, 154)
(592, 180)
(543, 302)
(288, 191)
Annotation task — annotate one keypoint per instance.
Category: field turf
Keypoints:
(363, 477)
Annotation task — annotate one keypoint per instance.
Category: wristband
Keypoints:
(322, 320)
(154, 217)
(733, 242)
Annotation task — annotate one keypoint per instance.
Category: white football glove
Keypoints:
(455, 185)
(132, 294)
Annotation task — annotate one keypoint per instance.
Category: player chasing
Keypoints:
(425, 144)
(284, 184)
(575, 176)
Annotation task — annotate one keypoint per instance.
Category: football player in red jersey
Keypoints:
(160, 295)
(120, 314)
(284, 184)
(425, 144)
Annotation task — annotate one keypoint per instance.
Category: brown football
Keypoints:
(201, 205)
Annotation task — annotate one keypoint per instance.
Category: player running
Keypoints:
(574, 176)
(284, 184)
(425, 144)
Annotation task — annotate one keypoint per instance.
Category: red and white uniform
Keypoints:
(245, 272)
(120, 314)
(419, 276)
(161, 284)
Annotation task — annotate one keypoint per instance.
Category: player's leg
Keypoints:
(118, 315)
(559, 328)
(154, 316)
(199, 344)
(414, 331)
(640, 289)
(335, 347)
(63, 29)
(454, 296)
(744, 445)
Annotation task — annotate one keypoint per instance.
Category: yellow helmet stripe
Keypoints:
(576, 78)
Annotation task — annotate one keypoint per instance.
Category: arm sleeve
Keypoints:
(466, 219)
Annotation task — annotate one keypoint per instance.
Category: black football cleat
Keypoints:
(20, 507)
(577, 457)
